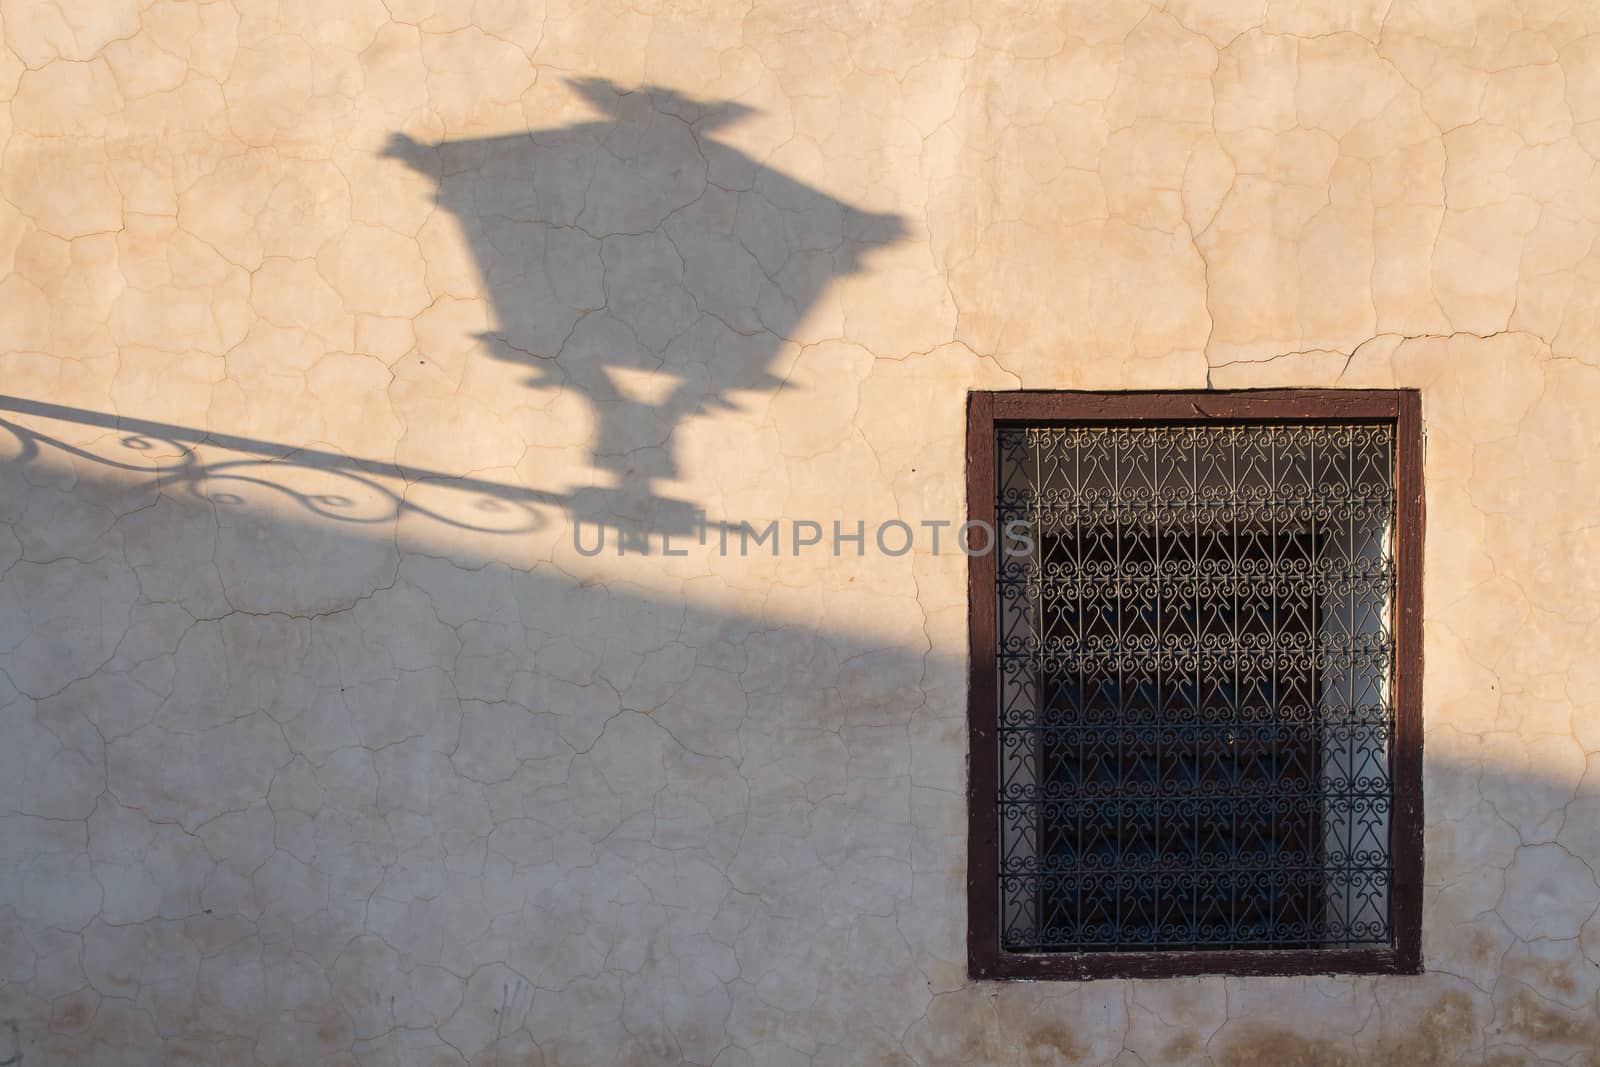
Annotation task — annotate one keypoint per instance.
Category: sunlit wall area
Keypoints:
(479, 490)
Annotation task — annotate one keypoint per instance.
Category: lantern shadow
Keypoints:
(643, 265)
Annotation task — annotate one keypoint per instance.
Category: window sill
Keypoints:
(1086, 966)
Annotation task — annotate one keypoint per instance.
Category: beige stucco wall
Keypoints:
(310, 758)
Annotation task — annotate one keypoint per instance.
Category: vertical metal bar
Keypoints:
(1157, 682)
(1233, 631)
(1118, 589)
(1201, 728)
(1314, 698)
(1043, 861)
(1074, 438)
(1275, 641)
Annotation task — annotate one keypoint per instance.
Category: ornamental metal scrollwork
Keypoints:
(1195, 667)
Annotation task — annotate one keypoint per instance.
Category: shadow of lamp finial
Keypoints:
(704, 115)
(412, 153)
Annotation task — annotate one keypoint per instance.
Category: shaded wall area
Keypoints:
(451, 811)
(471, 813)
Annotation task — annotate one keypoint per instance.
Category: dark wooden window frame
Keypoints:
(989, 411)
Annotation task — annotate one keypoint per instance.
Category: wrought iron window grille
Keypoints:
(1194, 708)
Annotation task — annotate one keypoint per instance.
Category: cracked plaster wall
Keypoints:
(321, 744)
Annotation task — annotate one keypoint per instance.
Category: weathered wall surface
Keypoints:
(321, 324)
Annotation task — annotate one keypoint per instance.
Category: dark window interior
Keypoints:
(1203, 786)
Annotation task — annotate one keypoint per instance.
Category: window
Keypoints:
(1196, 683)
